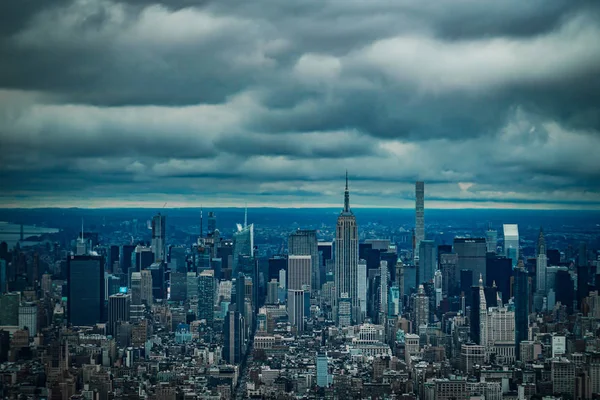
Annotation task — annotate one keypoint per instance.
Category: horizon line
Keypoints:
(4, 208)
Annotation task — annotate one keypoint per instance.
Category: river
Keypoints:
(11, 233)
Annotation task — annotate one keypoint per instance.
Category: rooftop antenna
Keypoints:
(82, 230)
(201, 222)
(246, 216)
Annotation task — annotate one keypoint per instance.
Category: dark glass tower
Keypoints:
(118, 311)
(206, 296)
(499, 270)
(521, 291)
(232, 349)
(125, 261)
(565, 291)
(114, 257)
(85, 280)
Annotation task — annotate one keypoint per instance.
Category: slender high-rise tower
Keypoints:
(419, 216)
(158, 237)
(346, 257)
(542, 264)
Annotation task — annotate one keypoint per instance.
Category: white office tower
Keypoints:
(346, 258)
(511, 242)
(421, 309)
(299, 272)
(304, 242)
(158, 237)
(295, 309)
(361, 277)
(419, 216)
(437, 285)
(282, 279)
(384, 292)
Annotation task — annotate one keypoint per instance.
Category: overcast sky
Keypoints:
(491, 103)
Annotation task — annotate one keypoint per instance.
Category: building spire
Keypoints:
(346, 196)
(246, 216)
(201, 221)
(81, 241)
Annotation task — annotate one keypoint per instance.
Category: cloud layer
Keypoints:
(107, 103)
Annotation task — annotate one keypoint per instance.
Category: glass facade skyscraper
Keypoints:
(427, 260)
(85, 282)
(521, 295)
(206, 296)
(511, 242)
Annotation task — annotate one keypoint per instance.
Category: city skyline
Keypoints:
(499, 113)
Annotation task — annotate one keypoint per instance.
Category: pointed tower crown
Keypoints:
(346, 196)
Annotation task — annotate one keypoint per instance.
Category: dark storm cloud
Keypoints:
(486, 101)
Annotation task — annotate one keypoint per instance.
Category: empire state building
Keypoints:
(347, 305)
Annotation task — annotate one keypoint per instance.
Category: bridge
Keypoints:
(21, 233)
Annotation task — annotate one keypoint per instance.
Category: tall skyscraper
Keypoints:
(472, 256)
(541, 272)
(304, 242)
(438, 285)
(421, 308)
(448, 266)
(499, 271)
(299, 271)
(212, 223)
(491, 239)
(136, 288)
(511, 242)
(427, 260)
(273, 292)
(243, 244)
(384, 291)
(478, 320)
(125, 260)
(419, 215)
(346, 256)
(178, 288)
(192, 285)
(362, 287)
(118, 311)
(521, 295)
(400, 279)
(146, 287)
(85, 281)
(113, 259)
(234, 337)
(295, 309)
(158, 237)
(159, 284)
(206, 296)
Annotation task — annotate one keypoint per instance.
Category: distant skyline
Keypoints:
(111, 103)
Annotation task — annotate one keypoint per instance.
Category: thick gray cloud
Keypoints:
(105, 102)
